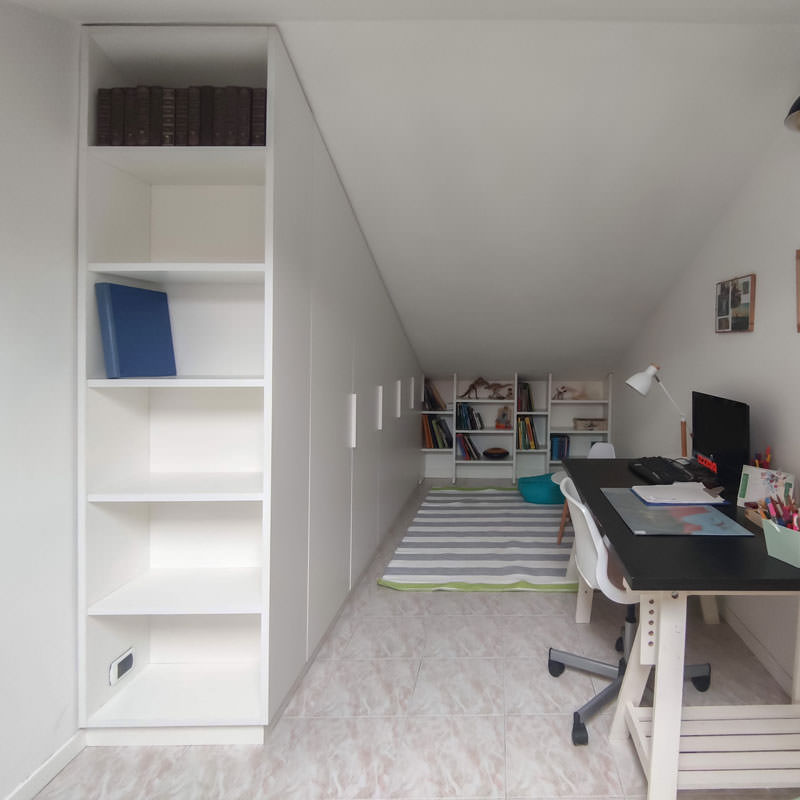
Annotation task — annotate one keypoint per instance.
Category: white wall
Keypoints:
(759, 233)
(38, 94)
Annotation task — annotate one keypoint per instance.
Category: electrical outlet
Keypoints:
(120, 666)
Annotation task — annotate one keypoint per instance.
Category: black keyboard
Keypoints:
(657, 469)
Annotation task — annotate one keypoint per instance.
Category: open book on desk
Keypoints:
(682, 494)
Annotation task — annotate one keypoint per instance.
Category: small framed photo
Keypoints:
(797, 258)
(736, 304)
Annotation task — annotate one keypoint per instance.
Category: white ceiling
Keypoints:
(531, 176)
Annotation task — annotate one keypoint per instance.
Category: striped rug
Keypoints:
(474, 540)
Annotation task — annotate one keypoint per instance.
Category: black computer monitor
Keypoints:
(721, 436)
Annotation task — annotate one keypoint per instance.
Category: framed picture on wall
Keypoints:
(797, 270)
(735, 301)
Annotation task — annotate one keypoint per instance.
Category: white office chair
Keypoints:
(597, 569)
(597, 450)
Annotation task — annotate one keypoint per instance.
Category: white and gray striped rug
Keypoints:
(474, 540)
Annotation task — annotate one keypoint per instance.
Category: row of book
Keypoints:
(431, 399)
(524, 397)
(148, 116)
(526, 434)
(466, 450)
(559, 446)
(435, 433)
(468, 418)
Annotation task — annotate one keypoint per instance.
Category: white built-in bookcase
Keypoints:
(579, 399)
(173, 511)
(549, 415)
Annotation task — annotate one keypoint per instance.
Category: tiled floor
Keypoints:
(431, 695)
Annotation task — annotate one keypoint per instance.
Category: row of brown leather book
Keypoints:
(152, 116)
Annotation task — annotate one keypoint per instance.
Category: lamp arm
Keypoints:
(684, 451)
(671, 398)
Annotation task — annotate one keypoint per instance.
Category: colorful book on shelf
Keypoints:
(166, 134)
(130, 116)
(258, 117)
(444, 428)
(135, 330)
(181, 117)
(143, 116)
(206, 118)
(531, 431)
(103, 118)
(244, 103)
(117, 116)
(156, 114)
(427, 439)
(524, 397)
(432, 399)
(192, 115)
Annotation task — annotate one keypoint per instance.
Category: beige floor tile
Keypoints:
(433, 695)
(458, 686)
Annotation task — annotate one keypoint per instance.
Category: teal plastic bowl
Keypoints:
(540, 489)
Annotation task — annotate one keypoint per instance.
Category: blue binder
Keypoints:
(137, 336)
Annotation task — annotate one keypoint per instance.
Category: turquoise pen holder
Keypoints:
(782, 543)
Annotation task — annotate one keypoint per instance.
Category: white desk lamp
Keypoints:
(643, 381)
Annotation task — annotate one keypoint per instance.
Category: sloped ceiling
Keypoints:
(531, 177)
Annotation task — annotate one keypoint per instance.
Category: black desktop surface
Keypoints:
(713, 563)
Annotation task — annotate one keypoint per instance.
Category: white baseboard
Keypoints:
(766, 658)
(30, 787)
(177, 735)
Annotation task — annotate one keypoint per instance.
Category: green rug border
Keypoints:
(481, 587)
(473, 489)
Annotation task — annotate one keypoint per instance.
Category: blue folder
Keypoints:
(136, 332)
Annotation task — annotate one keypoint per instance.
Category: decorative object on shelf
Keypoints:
(797, 270)
(568, 393)
(495, 453)
(196, 115)
(495, 390)
(472, 389)
(736, 304)
(642, 382)
(503, 420)
(590, 423)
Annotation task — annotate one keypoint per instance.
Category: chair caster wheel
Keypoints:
(619, 645)
(555, 668)
(580, 735)
(702, 682)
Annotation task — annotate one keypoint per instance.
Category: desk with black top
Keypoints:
(700, 747)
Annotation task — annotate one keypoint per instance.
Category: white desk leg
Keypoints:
(669, 643)
(710, 609)
(796, 673)
(636, 675)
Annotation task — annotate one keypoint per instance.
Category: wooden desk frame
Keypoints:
(696, 747)
(699, 747)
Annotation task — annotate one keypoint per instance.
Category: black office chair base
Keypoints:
(579, 733)
(558, 660)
